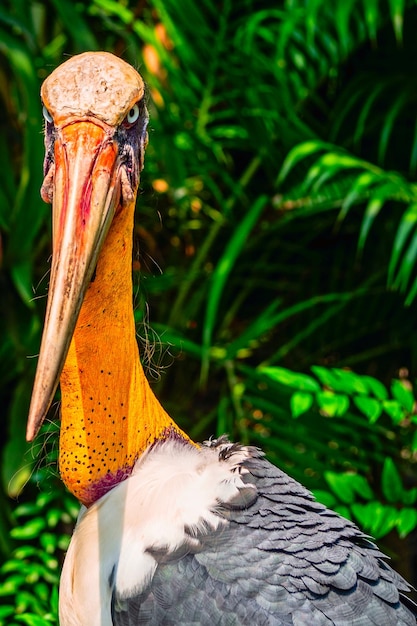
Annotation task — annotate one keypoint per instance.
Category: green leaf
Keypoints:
(407, 224)
(325, 497)
(6, 611)
(346, 485)
(30, 619)
(44, 499)
(30, 530)
(384, 522)
(403, 394)
(391, 483)
(117, 9)
(342, 380)
(376, 387)
(409, 496)
(300, 402)
(27, 508)
(375, 518)
(371, 17)
(406, 521)
(221, 273)
(332, 404)
(363, 514)
(303, 382)
(406, 268)
(412, 293)
(53, 516)
(341, 485)
(372, 210)
(22, 277)
(389, 120)
(76, 24)
(297, 154)
(42, 591)
(49, 542)
(15, 473)
(11, 585)
(361, 486)
(394, 409)
(397, 17)
(343, 510)
(326, 376)
(370, 407)
(349, 382)
(23, 552)
(357, 192)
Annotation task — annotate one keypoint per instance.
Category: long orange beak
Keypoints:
(86, 189)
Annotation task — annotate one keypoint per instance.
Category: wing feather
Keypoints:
(275, 557)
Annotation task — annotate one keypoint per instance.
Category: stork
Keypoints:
(169, 531)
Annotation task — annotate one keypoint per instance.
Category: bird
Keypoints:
(170, 531)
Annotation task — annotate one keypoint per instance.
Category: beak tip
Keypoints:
(32, 430)
(29, 436)
(37, 413)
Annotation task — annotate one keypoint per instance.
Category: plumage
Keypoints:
(185, 554)
(170, 532)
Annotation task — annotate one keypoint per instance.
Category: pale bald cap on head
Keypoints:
(96, 84)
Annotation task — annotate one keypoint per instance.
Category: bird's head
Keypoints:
(95, 138)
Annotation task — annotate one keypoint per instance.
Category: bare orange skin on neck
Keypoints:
(110, 415)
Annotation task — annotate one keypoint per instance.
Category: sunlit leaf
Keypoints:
(391, 483)
(394, 409)
(371, 17)
(407, 224)
(358, 191)
(291, 379)
(332, 404)
(325, 376)
(33, 620)
(370, 407)
(361, 486)
(397, 16)
(375, 518)
(376, 387)
(348, 381)
(372, 210)
(297, 154)
(342, 486)
(406, 521)
(300, 402)
(29, 530)
(401, 391)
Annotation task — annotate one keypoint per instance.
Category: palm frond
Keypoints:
(371, 188)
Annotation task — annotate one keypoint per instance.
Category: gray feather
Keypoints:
(283, 560)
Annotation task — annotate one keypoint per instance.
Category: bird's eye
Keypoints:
(47, 115)
(133, 114)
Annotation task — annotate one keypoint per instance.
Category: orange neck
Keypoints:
(110, 415)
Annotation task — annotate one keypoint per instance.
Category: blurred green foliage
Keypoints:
(276, 230)
(30, 577)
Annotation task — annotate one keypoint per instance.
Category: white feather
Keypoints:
(174, 488)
